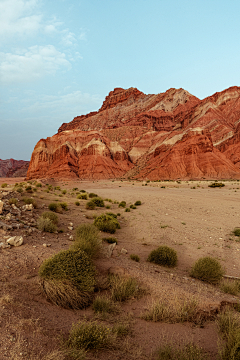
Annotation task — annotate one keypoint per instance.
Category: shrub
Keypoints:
(64, 206)
(135, 257)
(64, 192)
(236, 231)
(90, 335)
(98, 201)
(92, 195)
(187, 352)
(50, 215)
(68, 273)
(216, 184)
(122, 204)
(90, 205)
(132, 207)
(29, 189)
(19, 189)
(82, 191)
(138, 202)
(38, 185)
(103, 305)
(127, 210)
(53, 207)
(4, 185)
(163, 255)
(57, 188)
(77, 203)
(110, 240)
(45, 224)
(112, 214)
(230, 287)
(123, 288)
(106, 223)
(87, 239)
(207, 269)
(82, 196)
(108, 207)
(13, 201)
(28, 201)
(229, 329)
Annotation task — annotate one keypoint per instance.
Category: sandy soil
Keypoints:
(190, 217)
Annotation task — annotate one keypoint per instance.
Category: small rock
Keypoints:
(15, 241)
(71, 237)
(4, 246)
(27, 207)
(124, 251)
(70, 224)
(70, 228)
(110, 249)
(1, 206)
(46, 245)
(9, 217)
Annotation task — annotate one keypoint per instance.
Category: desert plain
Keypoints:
(188, 216)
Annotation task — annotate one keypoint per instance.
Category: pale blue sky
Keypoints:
(60, 58)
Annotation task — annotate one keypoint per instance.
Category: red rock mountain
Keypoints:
(13, 168)
(171, 135)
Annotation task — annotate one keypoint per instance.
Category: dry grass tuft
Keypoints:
(123, 288)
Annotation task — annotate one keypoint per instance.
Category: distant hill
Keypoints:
(13, 168)
(171, 135)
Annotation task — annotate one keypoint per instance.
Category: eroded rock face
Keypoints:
(170, 135)
(13, 168)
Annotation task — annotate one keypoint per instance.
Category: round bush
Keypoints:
(236, 231)
(50, 215)
(70, 269)
(90, 205)
(207, 269)
(98, 201)
(53, 207)
(122, 204)
(137, 203)
(45, 224)
(106, 223)
(163, 255)
(82, 196)
(92, 195)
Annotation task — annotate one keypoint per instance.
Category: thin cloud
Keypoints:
(34, 63)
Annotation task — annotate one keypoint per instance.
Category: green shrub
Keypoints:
(50, 187)
(45, 224)
(122, 204)
(92, 195)
(127, 210)
(98, 201)
(163, 255)
(90, 205)
(4, 185)
(64, 192)
(216, 184)
(90, 335)
(106, 223)
(53, 207)
(112, 214)
(82, 191)
(29, 189)
(135, 257)
(110, 240)
(13, 201)
(82, 196)
(19, 189)
(103, 305)
(57, 188)
(28, 201)
(138, 202)
(50, 215)
(123, 288)
(108, 207)
(38, 185)
(68, 279)
(77, 203)
(207, 269)
(132, 207)
(64, 206)
(87, 239)
(236, 231)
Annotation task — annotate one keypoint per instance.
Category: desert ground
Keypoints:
(188, 216)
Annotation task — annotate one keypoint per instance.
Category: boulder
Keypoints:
(15, 240)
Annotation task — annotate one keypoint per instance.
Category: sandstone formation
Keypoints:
(171, 135)
(13, 168)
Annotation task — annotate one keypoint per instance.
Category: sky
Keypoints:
(60, 58)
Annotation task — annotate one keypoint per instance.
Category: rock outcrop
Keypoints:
(13, 168)
(171, 135)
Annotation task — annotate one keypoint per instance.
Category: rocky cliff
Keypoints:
(171, 135)
(13, 168)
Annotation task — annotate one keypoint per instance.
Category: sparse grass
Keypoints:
(13, 201)
(110, 240)
(207, 269)
(68, 279)
(87, 239)
(28, 201)
(107, 223)
(228, 324)
(123, 288)
(230, 286)
(164, 256)
(187, 352)
(90, 335)
(122, 204)
(135, 257)
(82, 196)
(45, 224)
(50, 215)
(121, 329)
(103, 305)
(138, 202)
(177, 310)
